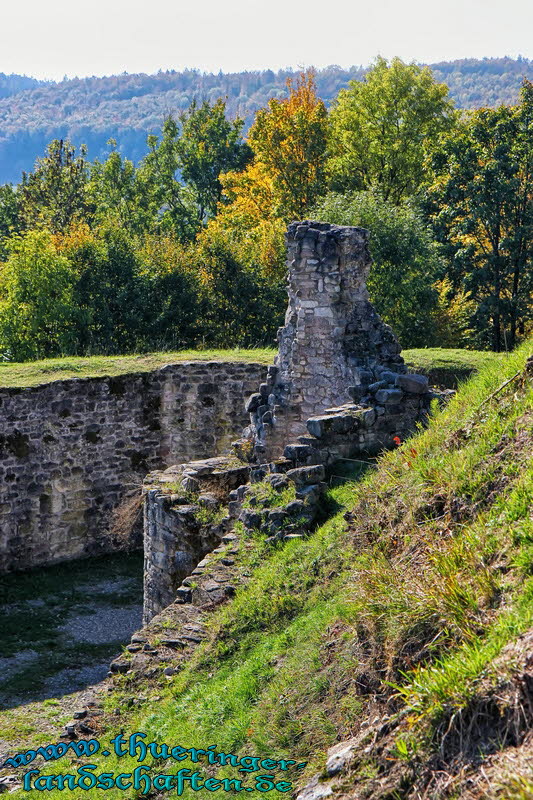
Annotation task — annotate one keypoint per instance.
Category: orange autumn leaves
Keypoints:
(283, 181)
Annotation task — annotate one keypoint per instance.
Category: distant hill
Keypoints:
(14, 84)
(488, 82)
(128, 107)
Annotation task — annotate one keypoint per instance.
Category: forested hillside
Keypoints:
(186, 247)
(13, 84)
(128, 107)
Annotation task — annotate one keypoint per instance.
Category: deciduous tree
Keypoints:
(382, 127)
(482, 207)
(289, 141)
(38, 314)
(54, 195)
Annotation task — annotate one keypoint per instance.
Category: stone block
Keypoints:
(413, 383)
(250, 518)
(295, 508)
(183, 595)
(277, 480)
(253, 403)
(302, 476)
(342, 422)
(234, 508)
(388, 396)
(375, 387)
(357, 392)
(388, 376)
(300, 452)
(310, 494)
(368, 417)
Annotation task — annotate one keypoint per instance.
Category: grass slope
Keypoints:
(449, 367)
(385, 625)
(444, 367)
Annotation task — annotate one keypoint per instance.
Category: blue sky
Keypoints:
(53, 38)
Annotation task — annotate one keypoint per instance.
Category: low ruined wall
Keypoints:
(185, 509)
(72, 452)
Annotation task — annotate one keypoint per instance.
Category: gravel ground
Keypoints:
(103, 624)
(11, 665)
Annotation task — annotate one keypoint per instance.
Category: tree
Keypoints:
(240, 306)
(248, 223)
(174, 207)
(481, 205)
(183, 167)
(54, 194)
(382, 127)
(10, 222)
(171, 293)
(289, 141)
(109, 289)
(209, 144)
(405, 261)
(119, 192)
(38, 314)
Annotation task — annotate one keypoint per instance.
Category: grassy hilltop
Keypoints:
(445, 367)
(403, 624)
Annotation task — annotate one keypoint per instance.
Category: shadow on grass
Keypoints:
(42, 613)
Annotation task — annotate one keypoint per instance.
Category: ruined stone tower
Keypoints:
(333, 344)
(338, 390)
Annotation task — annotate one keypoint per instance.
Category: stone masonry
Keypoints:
(185, 518)
(339, 390)
(73, 454)
(333, 341)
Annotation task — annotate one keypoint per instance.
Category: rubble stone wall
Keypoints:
(185, 517)
(339, 389)
(73, 454)
(333, 341)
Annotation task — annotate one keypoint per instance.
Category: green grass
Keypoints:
(450, 367)
(264, 495)
(414, 593)
(33, 373)
(445, 367)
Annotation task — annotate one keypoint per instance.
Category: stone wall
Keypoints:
(339, 389)
(73, 454)
(332, 341)
(185, 508)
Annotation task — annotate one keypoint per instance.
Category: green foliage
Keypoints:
(124, 107)
(183, 168)
(382, 127)
(110, 290)
(406, 261)
(187, 247)
(174, 205)
(10, 221)
(264, 495)
(208, 145)
(482, 207)
(54, 196)
(38, 315)
(452, 316)
(120, 192)
(240, 306)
